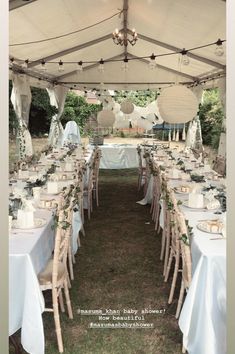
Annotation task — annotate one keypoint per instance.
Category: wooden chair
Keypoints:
(55, 275)
(87, 191)
(142, 168)
(220, 165)
(165, 242)
(96, 176)
(174, 245)
(186, 264)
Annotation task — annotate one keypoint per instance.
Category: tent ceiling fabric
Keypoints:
(180, 24)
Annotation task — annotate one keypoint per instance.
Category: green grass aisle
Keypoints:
(118, 268)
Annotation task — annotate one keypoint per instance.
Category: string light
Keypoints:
(101, 66)
(152, 63)
(43, 65)
(219, 50)
(185, 58)
(25, 64)
(61, 66)
(125, 65)
(80, 67)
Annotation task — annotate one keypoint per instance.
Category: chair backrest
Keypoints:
(63, 222)
(220, 165)
(185, 252)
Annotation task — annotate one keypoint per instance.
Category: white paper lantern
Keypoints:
(152, 107)
(177, 104)
(143, 111)
(153, 118)
(116, 107)
(144, 124)
(127, 107)
(106, 118)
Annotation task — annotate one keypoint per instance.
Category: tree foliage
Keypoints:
(139, 98)
(211, 117)
(41, 112)
(76, 108)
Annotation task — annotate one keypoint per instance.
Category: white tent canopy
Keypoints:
(163, 26)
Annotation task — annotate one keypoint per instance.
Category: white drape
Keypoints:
(57, 98)
(71, 133)
(222, 92)
(21, 100)
(194, 134)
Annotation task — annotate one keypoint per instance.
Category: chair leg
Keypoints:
(67, 297)
(79, 242)
(70, 262)
(83, 230)
(180, 301)
(97, 195)
(169, 266)
(57, 321)
(167, 249)
(163, 244)
(176, 271)
(61, 301)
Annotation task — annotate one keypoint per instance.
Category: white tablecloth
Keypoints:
(118, 156)
(203, 316)
(28, 255)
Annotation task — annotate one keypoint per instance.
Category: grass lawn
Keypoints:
(118, 268)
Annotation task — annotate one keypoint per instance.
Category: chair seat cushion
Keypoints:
(45, 277)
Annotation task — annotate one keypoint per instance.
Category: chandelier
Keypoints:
(121, 37)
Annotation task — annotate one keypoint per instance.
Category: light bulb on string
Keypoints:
(152, 63)
(43, 65)
(185, 58)
(80, 67)
(125, 65)
(61, 66)
(101, 66)
(25, 64)
(219, 50)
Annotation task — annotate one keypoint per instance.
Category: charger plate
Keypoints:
(202, 226)
(38, 222)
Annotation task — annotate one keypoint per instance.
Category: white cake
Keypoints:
(195, 200)
(52, 187)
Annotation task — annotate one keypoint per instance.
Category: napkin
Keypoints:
(214, 204)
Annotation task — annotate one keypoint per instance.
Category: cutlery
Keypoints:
(218, 238)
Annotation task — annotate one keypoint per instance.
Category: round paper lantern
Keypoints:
(106, 118)
(116, 107)
(153, 118)
(127, 107)
(142, 111)
(177, 104)
(144, 124)
(152, 107)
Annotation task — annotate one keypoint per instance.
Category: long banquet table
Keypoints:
(203, 316)
(118, 156)
(29, 251)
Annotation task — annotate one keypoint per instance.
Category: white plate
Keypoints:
(178, 191)
(37, 223)
(202, 227)
(194, 208)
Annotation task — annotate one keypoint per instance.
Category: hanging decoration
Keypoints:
(177, 135)
(183, 133)
(177, 104)
(106, 119)
(169, 135)
(173, 136)
(21, 101)
(127, 107)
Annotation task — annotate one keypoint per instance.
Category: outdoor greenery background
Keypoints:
(77, 109)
